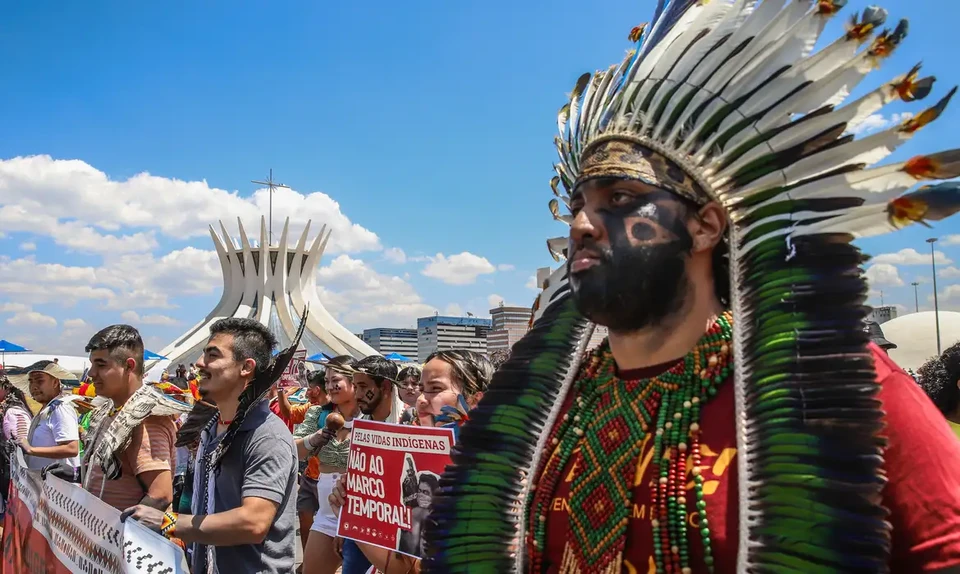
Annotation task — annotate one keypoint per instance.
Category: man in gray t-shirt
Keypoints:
(261, 462)
(243, 510)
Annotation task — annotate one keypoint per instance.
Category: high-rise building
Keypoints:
(440, 333)
(882, 314)
(510, 324)
(388, 340)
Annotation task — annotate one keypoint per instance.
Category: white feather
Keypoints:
(592, 118)
(867, 151)
(685, 43)
(731, 17)
(803, 131)
(792, 45)
(809, 70)
(864, 221)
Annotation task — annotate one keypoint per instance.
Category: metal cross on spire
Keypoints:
(272, 185)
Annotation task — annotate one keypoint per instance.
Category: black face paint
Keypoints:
(640, 278)
(369, 401)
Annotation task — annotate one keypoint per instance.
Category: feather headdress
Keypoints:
(729, 92)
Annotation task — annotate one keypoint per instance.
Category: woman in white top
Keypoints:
(320, 556)
(14, 412)
(14, 422)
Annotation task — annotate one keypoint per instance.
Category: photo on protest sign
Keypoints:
(393, 473)
(295, 375)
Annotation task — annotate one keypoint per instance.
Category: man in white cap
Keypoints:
(54, 435)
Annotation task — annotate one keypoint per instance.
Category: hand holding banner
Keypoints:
(55, 527)
(393, 472)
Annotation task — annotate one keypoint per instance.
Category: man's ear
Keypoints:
(248, 368)
(130, 363)
(708, 227)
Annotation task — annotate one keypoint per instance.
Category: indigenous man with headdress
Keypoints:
(129, 453)
(737, 419)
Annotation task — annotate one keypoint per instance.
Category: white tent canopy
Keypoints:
(916, 336)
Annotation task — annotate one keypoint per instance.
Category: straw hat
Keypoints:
(21, 377)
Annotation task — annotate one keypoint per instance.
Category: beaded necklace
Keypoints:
(608, 421)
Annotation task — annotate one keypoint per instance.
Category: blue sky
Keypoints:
(430, 125)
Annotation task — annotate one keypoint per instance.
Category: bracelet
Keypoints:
(168, 527)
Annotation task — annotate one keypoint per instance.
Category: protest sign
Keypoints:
(392, 475)
(295, 373)
(54, 527)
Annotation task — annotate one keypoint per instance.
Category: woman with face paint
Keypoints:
(452, 383)
(320, 555)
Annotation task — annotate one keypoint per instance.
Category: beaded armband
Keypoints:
(169, 525)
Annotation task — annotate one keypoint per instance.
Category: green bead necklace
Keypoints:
(608, 420)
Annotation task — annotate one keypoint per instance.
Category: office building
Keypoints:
(510, 324)
(387, 340)
(882, 314)
(440, 333)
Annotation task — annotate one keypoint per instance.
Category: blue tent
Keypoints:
(151, 356)
(398, 357)
(318, 358)
(8, 347)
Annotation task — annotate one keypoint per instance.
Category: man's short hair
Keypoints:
(122, 342)
(317, 377)
(251, 340)
(378, 368)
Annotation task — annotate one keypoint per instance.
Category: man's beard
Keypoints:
(632, 287)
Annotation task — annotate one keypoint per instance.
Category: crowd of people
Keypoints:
(738, 417)
(282, 469)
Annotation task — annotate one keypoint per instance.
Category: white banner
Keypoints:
(54, 527)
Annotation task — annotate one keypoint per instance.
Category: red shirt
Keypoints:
(275, 409)
(922, 463)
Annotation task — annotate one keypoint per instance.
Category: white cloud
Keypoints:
(948, 298)
(76, 325)
(395, 255)
(13, 308)
(73, 202)
(883, 275)
(453, 310)
(494, 301)
(32, 319)
(28, 246)
(459, 269)
(506, 267)
(359, 296)
(949, 240)
(532, 283)
(135, 318)
(910, 256)
(877, 122)
(123, 282)
(948, 272)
